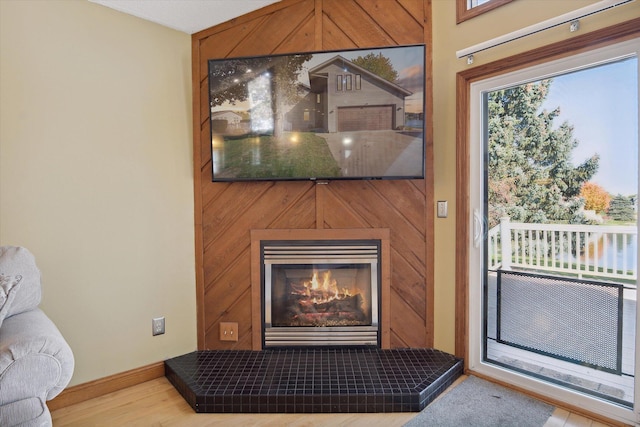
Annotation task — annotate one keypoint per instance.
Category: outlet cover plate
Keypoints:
(157, 326)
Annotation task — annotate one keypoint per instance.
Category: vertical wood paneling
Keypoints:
(417, 9)
(408, 283)
(197, 194)
(338, 215)
(401, 25)
(279, 27)
(222, 43)
(227, 288)
(241, 312)
(301, 39)
(204, 108)
(204, 153)
(333, 38)
(227, 212)
(401, 317)
(355, 22)
(429, 175)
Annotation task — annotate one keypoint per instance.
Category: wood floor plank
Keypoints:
(558, 418)
(157, 403)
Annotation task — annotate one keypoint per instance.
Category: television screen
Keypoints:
(350, 114)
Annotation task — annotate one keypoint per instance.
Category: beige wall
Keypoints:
(96, 176)
(447, 39)
(96, 165)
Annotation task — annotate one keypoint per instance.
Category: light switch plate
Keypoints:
(228, 331)
(442, 209)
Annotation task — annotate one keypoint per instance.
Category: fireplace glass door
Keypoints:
(321, 296)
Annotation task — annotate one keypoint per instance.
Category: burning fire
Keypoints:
(317, 299)
(325, 289)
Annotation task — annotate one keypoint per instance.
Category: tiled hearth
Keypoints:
(312, 380)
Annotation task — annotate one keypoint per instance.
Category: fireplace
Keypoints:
(321, 293)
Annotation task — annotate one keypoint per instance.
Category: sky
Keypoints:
(602, 105)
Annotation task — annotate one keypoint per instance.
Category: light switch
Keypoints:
(228, 331)
(442, 209)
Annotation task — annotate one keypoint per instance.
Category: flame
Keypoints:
(323, 288)
(320, 301)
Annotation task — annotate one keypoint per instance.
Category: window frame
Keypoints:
(463, 14)
(464, 334)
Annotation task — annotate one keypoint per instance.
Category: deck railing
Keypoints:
(578, 250)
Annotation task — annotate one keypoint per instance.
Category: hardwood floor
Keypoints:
(564, 418)
(157, 403)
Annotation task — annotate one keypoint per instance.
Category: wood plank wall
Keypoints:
(226, 212)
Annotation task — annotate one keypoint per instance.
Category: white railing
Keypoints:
(581, 250)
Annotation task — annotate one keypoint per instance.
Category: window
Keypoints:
(549, 83)
(346, 82)
(467, 9)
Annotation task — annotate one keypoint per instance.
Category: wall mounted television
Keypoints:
(332, 115)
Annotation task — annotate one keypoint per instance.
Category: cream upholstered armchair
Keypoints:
(36, 363)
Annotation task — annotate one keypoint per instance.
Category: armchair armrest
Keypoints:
(35, 359)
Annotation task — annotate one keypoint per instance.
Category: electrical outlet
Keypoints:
(157, 326)
(228, 331)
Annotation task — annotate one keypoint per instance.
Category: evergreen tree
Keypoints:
(531, 177)
(621, 208)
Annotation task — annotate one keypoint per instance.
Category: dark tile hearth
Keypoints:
(312, 380)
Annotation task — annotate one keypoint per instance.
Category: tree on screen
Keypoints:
(232, 81)
(379, 65)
